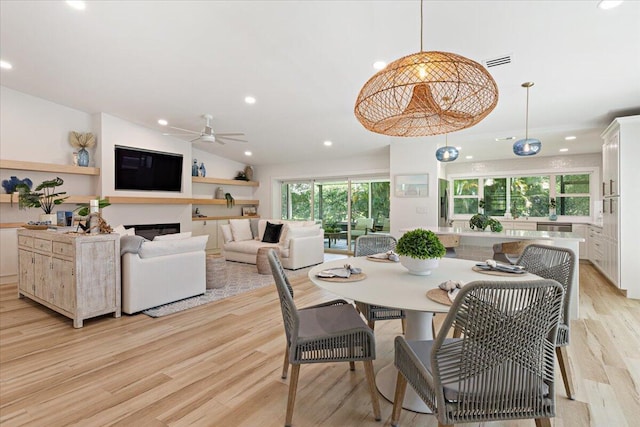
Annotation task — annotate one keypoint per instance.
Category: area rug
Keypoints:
(240, 278)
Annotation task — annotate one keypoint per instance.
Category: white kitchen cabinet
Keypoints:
(621, 204)
(596, 248)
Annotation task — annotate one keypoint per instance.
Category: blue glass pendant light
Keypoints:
(446, 153)
(527, 146)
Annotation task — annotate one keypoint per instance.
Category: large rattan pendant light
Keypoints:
(527, 146)
(426, 93)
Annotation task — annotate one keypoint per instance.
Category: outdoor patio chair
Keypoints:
(501, 368)
(369, 245)
(555, 263)
(328, 332)
(363, 226)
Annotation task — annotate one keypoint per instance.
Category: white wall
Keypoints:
(409, 157)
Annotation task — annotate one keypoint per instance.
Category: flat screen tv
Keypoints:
(146, 170)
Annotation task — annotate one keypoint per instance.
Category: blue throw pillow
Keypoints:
(272, 233)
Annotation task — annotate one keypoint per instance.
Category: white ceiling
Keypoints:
(305, 62)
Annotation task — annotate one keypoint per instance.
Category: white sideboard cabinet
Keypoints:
(76, 275)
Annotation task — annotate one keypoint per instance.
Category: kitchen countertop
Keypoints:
(507, 234)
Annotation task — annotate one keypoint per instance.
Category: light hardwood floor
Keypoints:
(219, 365)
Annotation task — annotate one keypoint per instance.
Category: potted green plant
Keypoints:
(230, 200)
(420, 251)
(495, 225)
(44, 196)
(479, 222)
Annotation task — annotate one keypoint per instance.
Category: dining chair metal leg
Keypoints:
(352, 366)
(293, 386)
(371, 380)
(401, 387)
(285, 366)
(565, 369)
(404, 325)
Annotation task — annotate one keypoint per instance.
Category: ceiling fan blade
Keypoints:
(218, 136)
(195, 139)
(230, 134)
(185, 130)
(178, 134)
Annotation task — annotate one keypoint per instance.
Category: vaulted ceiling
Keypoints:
(305, 62)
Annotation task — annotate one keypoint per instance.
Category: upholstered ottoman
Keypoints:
(262, 262)
(216, 271)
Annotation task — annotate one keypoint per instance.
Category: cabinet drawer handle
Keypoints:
(610, 186)
(604, 193)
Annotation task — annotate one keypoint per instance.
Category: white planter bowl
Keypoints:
(419, 267)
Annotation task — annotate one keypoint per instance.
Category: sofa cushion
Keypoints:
(124, 231)
(240, 229)
(253, 224)
(131, 244)
(296, 232)
(169, 247)
(272, 233)
(226, 233)
(173, 236)
(262, 225)
(248, 246)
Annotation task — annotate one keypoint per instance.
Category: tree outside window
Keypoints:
(572, 195)
(530, 196)
(465, 196)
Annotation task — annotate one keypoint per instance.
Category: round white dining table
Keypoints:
(390, 285)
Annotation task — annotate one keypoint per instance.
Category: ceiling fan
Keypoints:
(207, 134)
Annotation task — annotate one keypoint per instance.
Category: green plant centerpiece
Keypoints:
(44, 196)
(481, 221)
(420, 251)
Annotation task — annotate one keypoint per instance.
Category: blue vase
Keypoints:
(194, 168)
(83, 158)
(203, 171)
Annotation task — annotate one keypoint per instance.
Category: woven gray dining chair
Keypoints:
(501, 368)
(550, 262)
(328, 332)
(369, 245)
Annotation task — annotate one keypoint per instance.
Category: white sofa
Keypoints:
(162, 271)
(301, 243)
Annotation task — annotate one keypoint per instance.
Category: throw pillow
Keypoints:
(172, 247)
(253, 223)
(272, 233)
(173, 236)
(226, 233)
(124, 231)
(240, 229)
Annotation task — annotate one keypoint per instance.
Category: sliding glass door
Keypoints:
(347, 208)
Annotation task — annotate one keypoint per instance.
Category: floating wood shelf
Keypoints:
(221, 181)
(117, 200)
(214, 218)
(47, 167)
(223, 202)
(6, 198)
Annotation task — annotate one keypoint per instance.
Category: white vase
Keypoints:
(419, 267)
(52, 218)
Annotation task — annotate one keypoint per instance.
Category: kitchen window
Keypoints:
(519, 196)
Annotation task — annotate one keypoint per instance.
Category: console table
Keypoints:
(77, 275)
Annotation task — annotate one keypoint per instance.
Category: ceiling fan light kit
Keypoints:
(426, 93)
(527, 146)
(207, 134)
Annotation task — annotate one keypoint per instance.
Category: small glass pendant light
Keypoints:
(446, 153)
(527, 146)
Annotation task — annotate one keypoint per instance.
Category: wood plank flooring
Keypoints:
(219, 365)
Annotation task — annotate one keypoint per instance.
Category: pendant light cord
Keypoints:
(526, 120)
(421, 19)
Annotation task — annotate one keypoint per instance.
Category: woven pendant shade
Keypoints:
(426, 93)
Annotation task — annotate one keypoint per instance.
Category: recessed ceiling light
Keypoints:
(569, 138)
(248, 153)
(468, 157)
(249, 100)
(506, 138)
(564, 150)
(609, 4)
(5, 65)
(77, 4)
(379, 65)
(162, 122)
(328, 143)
